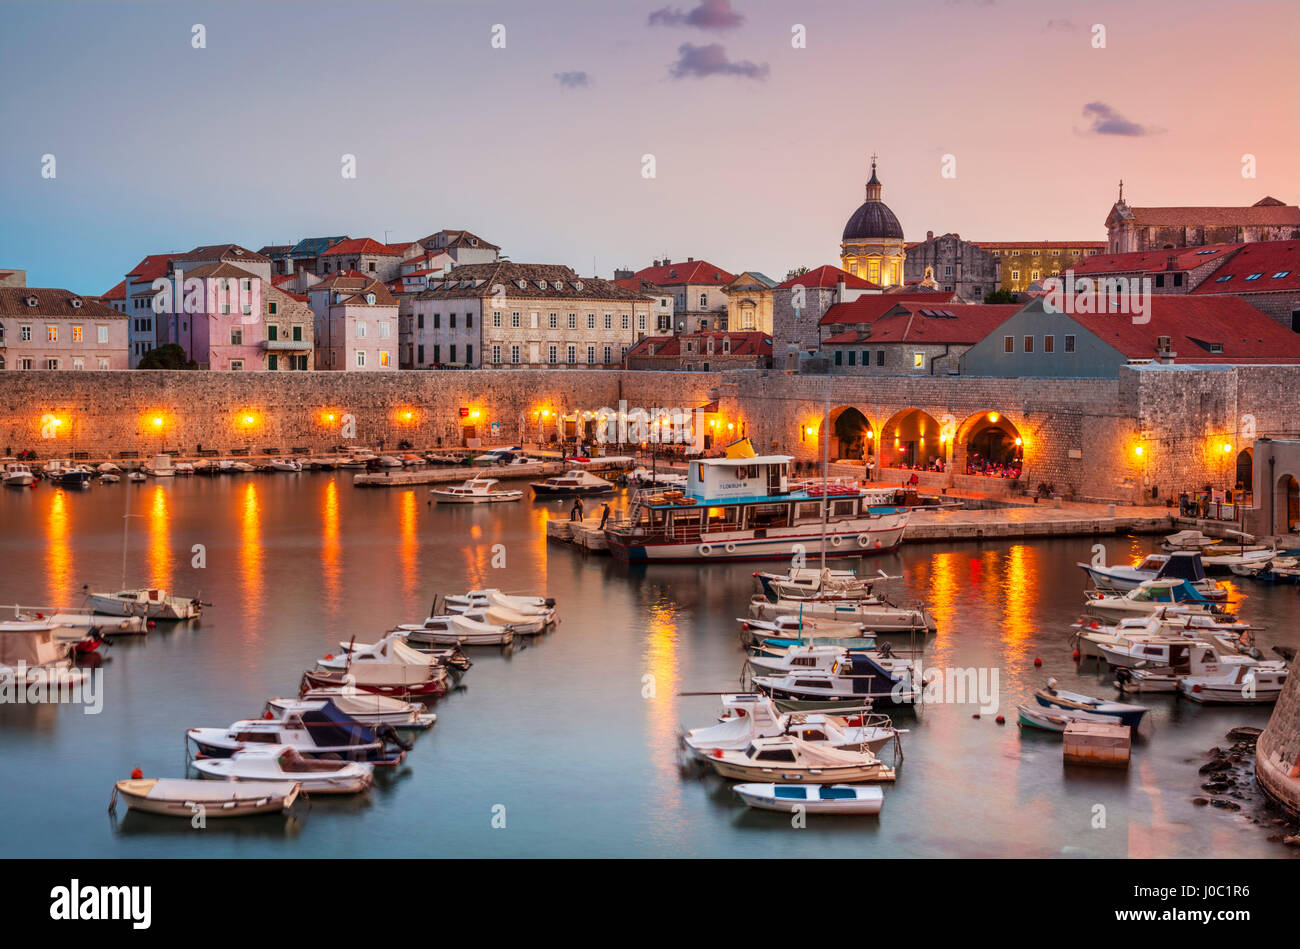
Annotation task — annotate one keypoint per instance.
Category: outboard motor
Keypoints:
(389, 735)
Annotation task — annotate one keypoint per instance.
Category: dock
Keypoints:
(1058, 519)
(405, 477)
(585, 533)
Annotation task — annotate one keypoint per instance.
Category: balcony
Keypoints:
(286, 345)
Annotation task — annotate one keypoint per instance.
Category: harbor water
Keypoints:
(566, 745)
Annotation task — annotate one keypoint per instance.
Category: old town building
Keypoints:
(1137, 229)
(1024, 263)
(800, 302)
(50, 328)
(355, 324)
(871, 246)
(362, 255)
(749, 302)
(956, 266)
(699, 302)
(912, 338)
(730, 349)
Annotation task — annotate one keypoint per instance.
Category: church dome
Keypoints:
(873, 221)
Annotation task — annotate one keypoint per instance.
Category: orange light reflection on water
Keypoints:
(250, 557)
(58, 556)
(331, 549)
(662, 662)
(160, 555)
(409, 551)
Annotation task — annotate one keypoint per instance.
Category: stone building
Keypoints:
(699, 301)
(53, 329)
(1023, 263)
(704, 352)
(662, 312)
(526, 315)
(1136, 229)
(957, 266)
(356, 327)
(138, 295)
(362, 255)
(462, 247)
(749, 302)
(800, 302)
(925, 338)
(1265, 274)
(871, 246)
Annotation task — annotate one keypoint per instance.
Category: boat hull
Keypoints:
(727, 548)
(246, 803)
(851, 774)
(763, 797)
(1130, 716)
(173, 608)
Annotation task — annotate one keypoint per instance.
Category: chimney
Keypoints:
(690, 260)
(929, 235)
(839, 288)
(1165, 354)
(667, 261)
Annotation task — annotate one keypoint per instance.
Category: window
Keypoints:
(609, 355)
(839, 358)
(1280, 274)
(514, 320)
(609, 322)
(1049, 344)
(236, 365)
(236, 336)
(947, 271)
(591, 321)
(1029, 344)
(496, 319)
(51, 364)
(1069, 344)
(361, 358)
(1224, 279)
(1008, 344)
(25, 333)
(451, 321)
(361, 329)
(297, 334)
(1015, 275)
(469, 321)
(880, 357)
(77, 334)
(272, 332)
(383, 357)
(383, 328)
(103, 362)
(573, 323)
(572, 354)
(552, 354)
(626, 323)
(918, 360)
(704, 300)
(271, 308)
(1034, 275)
(514, 354)
(532, 320)
(272, 362)
(437, 354)
(640, 321)
(1255, 276)
(437, 321)
(591, 355)
(419, 355)
(52, 334)
(852, 357)
(78, 362)
(553, 320)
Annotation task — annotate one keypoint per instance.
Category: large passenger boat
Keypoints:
(745, 509)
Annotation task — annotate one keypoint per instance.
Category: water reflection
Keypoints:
(662, 642)
(409, 548)
(58, 554)
(331, 549)
(250, 557)
(160, 554)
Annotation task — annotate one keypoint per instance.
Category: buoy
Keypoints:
(1076, 655)
(1037, 661)
(266, 715)
(976, 715)
(329, 655)
(1000, 720)
(152, 624)
(717, 752)
(137, 774)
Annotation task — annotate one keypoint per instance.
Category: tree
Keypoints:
(1000, 296)
(170, 356)
(796, 272)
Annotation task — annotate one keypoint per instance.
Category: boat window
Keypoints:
(792, 794)
(838, 794)
(270, 738)
(779, 754)
(813, 683)
(814, 734)
(843, 508)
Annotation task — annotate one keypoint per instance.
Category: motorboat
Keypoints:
(813, 798)
(160, 467)
(533, 605)
(109, 478)
(1148, 597)
(1237, 684)
(1180, 565)
(19, 475)
(388, 461)
(411, 460)
(1273, 568)
(285, 464)
(388, 667)
(1053, 719)
(749, 715)
(788, 759)
(183, 467)
(189, 797)
(745, 508)
(323, 732)
(574, 483)
(644, 477)
(149, 602)
(475, 491)
(878, 617)
(783, 631)
(854, 678)
(285, 763)
(363, 706)
(79, 623)
(108, 467)
(806, 577)
(136, 476)
(239, 467)
(454, 629)
(33, 651)
(67, 475)
(805, 583)
(358, 458)
(1052, 697)
(1189, 540)
(804, 658)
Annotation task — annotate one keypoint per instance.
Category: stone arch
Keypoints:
(1246, 469)
(910, 438)
(852, 437)
(1286, 501)
(989, 437)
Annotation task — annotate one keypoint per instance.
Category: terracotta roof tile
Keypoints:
(827, 276)
(54, 302)
(684, 272)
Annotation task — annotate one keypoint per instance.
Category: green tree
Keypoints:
(999, 296)
(796, 272)
(171, 356)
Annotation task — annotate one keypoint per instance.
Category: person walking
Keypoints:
(604, 515)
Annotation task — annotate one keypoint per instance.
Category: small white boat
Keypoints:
(1258, 684)
(1148, 597)
(285, 464)
(1189, 540)
(183, 467)
(644, 477)
(388, 461)
(455, 629)
(808, 657)
(136, 476)
(786, 758)
(363, 706)
(1184, 565)
(492, 596)
(855, 678)
(186, 797)
(1056, 719)
(749, 715)
(1052, 697)
(283, 763)
(475, 491)
(388, 667)
(109, 478)
(876, 617)
(813, 798)
(572, 484)
(108, 467)
(18, 475)
(160, 467)
(317, 733)
(149, 602)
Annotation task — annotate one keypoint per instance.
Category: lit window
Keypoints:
(383, 358)
(52, 333)
(77, 335)
(918, 360)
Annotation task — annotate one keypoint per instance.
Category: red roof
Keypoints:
(152, 267)
(932, 323)
(1266, 212)
(1193, 325)
(743, 343)
(1151, 261)
(869, 308)
(689, 271)
(827, 276)
(362, 245)
(1041, 245)
(1274, 265)
(117, 293)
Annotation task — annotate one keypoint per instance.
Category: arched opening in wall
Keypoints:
(851, 434)
(910, 439)
(1245, 470)
(993, 445)
(1286, 502)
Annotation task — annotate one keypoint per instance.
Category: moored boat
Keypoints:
(1054, 719)
(813, 798)
(322, 732)
(789, 759)
(573, 483)
(1052, 697)
(284, 763)
(475, 491)
(188, 797)
(149, 602)
(19, 475)
(363, 706)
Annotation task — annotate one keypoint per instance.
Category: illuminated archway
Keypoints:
(851, 434)
(990, 442)
(910, 439)
(1246, 469)
(1287, 504)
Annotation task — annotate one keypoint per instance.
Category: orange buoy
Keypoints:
(1076, 655)
(976, 715)
(1000, 720)
(137, 774)
(329, 655)
(1037, 661)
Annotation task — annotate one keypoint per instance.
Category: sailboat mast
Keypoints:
(826, 464)
(126, 523)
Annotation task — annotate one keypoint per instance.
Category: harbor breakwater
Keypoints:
(1151, 432)
(1277, 753)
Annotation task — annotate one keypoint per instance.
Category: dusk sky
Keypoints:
(761, 149)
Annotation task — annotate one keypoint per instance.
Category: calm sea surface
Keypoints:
(558, 732)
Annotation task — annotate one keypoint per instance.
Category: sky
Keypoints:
(534, 137)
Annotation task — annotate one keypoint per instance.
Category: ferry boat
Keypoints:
(745, 509)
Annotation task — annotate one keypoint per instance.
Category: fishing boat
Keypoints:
(188, 797)
(475, 491)
(292, 465)
(1056, 719)
(323, 732)
(67, 475)
(813, 798)
(573, 483)
(1052, 697)
(19, 475)
(788, 759)
(160, 467)
(455, 629)
(363, 706)
(853, 678)
(1148, 597)
(1260, 684)
(284, 763)
(1180, 565)
(877, 617)
(745, 509)
(749, 715)
(149, 602)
